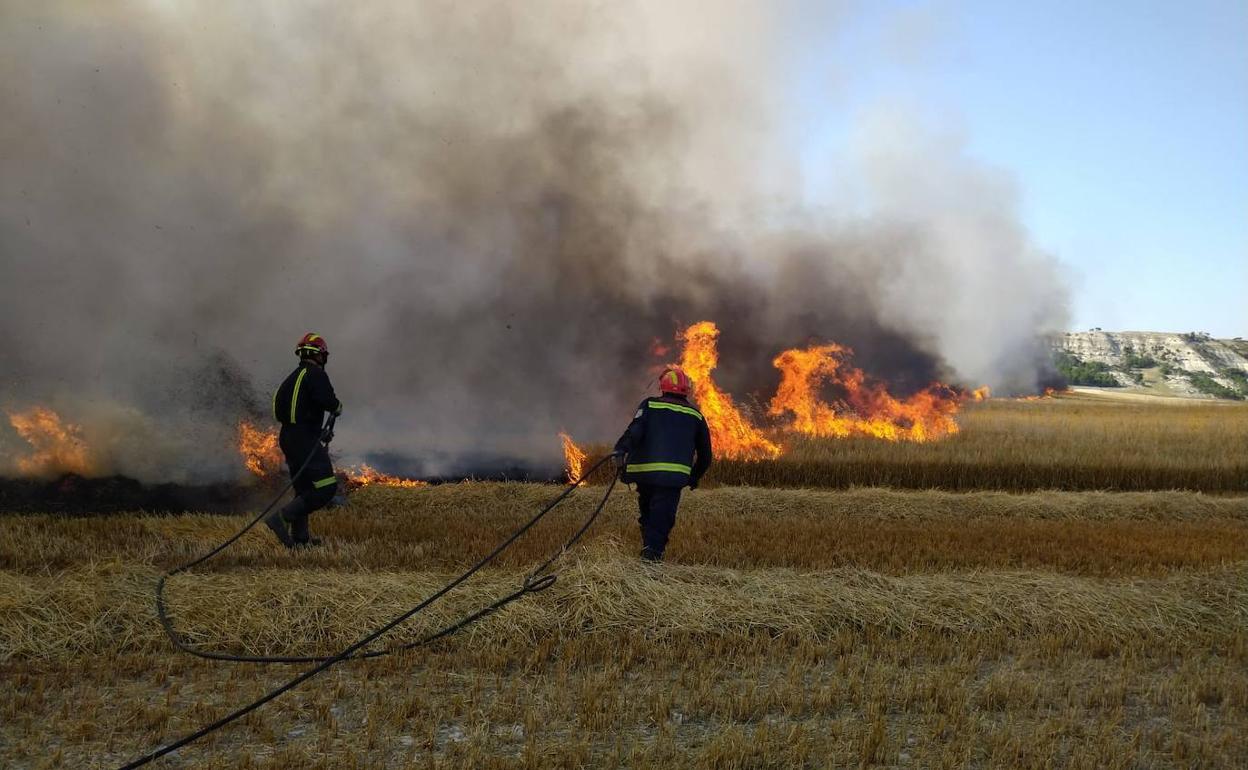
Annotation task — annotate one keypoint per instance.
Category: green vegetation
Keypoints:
(1079, 372)
(1206, 384)
(1238, 376)
(1133, 360)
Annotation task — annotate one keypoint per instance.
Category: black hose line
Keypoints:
(536, 580)
(326, 433)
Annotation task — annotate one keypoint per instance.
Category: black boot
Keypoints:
(300, 534)
(277, 523)
(291, 523)
(651, 554)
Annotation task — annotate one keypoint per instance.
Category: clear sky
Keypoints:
(1124, 124)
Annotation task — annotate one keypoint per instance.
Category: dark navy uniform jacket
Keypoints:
(304, 397)
(300, 404)
(668, 443)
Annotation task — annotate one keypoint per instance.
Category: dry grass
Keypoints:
(444, 527)
(1070, 442)
(621, 666)
(795, 628)
(104, 609)
(599, 700)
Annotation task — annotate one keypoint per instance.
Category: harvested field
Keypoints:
(790, 628)
(267, 611)
(444, 527)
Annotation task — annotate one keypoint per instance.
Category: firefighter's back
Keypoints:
(666, 452)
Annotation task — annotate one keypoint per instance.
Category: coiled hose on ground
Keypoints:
(536, 580)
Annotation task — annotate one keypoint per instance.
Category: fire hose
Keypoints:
(536, 580)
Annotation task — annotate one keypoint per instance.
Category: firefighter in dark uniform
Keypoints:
(666, 447)
(300, 404)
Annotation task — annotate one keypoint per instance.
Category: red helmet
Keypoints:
(312, 344)
(674, 380)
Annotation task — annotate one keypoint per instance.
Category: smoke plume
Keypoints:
(490, 210)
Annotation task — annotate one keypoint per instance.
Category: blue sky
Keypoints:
(1123, 124)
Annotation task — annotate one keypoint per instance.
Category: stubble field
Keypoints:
(790, 628)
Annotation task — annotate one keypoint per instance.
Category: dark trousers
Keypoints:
(658, 515)
(313, 488)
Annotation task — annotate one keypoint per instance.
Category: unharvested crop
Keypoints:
(1070, 442)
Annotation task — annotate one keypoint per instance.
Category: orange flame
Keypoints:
(863, 407)
(364, 475)
(1048, 393)
(573, 457)
(259, 449)
(869, 409)
(802, 372)
(58, 446)
(263, 457)
(732, 435)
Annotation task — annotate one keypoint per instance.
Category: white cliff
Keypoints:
(1162, 362)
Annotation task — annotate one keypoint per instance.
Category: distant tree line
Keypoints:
(1090, 373)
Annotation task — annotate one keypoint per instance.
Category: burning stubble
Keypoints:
(863, 407)
(490, 212)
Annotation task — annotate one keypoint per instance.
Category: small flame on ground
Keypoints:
(1048, 393)
(58, 445)
(574, 459)
(982, 393)
(364, 475)
(732, 434)
(263, 457)
(259, 449)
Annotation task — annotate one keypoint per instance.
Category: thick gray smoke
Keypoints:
(491, 211)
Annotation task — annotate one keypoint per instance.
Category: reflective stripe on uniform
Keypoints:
(649, 467)
(294, 394)
(325, 482)
(275, 417)
(675, 408)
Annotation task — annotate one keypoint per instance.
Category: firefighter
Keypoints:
(666, 447)
(300, 404)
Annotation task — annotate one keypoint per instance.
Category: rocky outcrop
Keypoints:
(1181, 364)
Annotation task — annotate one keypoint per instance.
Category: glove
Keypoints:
(338, 410)
(619, 459)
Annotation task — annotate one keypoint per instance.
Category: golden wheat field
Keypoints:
(1068, 442)
(790, 627)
